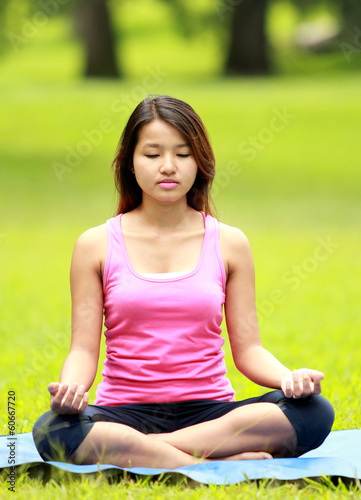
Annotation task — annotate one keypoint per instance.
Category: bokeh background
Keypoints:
(277, 84)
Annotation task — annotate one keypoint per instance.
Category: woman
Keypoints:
(161, 271)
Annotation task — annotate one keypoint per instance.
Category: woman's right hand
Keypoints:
(67, 400)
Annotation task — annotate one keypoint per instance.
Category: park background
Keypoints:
(283, 113)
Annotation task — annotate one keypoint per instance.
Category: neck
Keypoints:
(164, 217)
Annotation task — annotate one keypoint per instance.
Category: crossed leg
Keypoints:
(248, 432)
(256, 428)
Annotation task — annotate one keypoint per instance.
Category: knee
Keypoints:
(43, 435)
(42, 426)
(326, 412)
(317, 423)
(57, 436)
(323, 414)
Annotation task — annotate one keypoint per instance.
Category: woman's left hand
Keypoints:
(302, 383)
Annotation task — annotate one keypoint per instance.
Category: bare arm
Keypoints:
(80, 366)
(250, 357)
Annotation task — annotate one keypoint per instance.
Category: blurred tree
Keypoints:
(351, 18)
(248, 47)
(92, 24)
(242, 30)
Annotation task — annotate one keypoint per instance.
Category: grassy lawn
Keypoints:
(298, 192)
(288, 166)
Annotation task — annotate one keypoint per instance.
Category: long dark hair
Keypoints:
(182, 116)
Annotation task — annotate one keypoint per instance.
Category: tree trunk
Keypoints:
(92, 23)
(248, 51)
(351, 11)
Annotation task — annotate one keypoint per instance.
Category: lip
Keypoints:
(168, 183)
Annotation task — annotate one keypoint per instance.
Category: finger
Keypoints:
(53, 387)
(314, 374)
(56, 400)
(287, 391)
(58, 396)
(78, 398)
(68, 399)
(84, 404)
(317, 384)
(297, 389)
(307, 386)
(316, 378)
(317, 374)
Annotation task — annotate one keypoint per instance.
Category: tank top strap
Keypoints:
(213, 258)
(114, 245)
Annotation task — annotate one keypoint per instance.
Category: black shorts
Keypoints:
(58, 436)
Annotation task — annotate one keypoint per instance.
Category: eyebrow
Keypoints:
(149, 145)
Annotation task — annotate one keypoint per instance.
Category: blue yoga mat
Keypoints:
(339, 455)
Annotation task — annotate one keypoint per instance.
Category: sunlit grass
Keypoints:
(300, 187)
(283, 210)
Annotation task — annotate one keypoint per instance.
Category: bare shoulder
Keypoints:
(92, 237)
(91, 247)
(235, 248)
(233, 239)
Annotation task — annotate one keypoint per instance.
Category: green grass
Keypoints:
(303, 186)
(300, 184)
(177, 488)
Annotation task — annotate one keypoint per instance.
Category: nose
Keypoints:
(168, 165)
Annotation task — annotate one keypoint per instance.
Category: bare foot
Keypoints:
(247, 455)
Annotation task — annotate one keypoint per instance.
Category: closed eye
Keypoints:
(179, 155)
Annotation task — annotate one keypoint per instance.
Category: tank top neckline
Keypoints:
(164, 279)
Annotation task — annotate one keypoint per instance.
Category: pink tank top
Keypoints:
(163, 335)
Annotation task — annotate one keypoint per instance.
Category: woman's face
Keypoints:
(164, 165)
